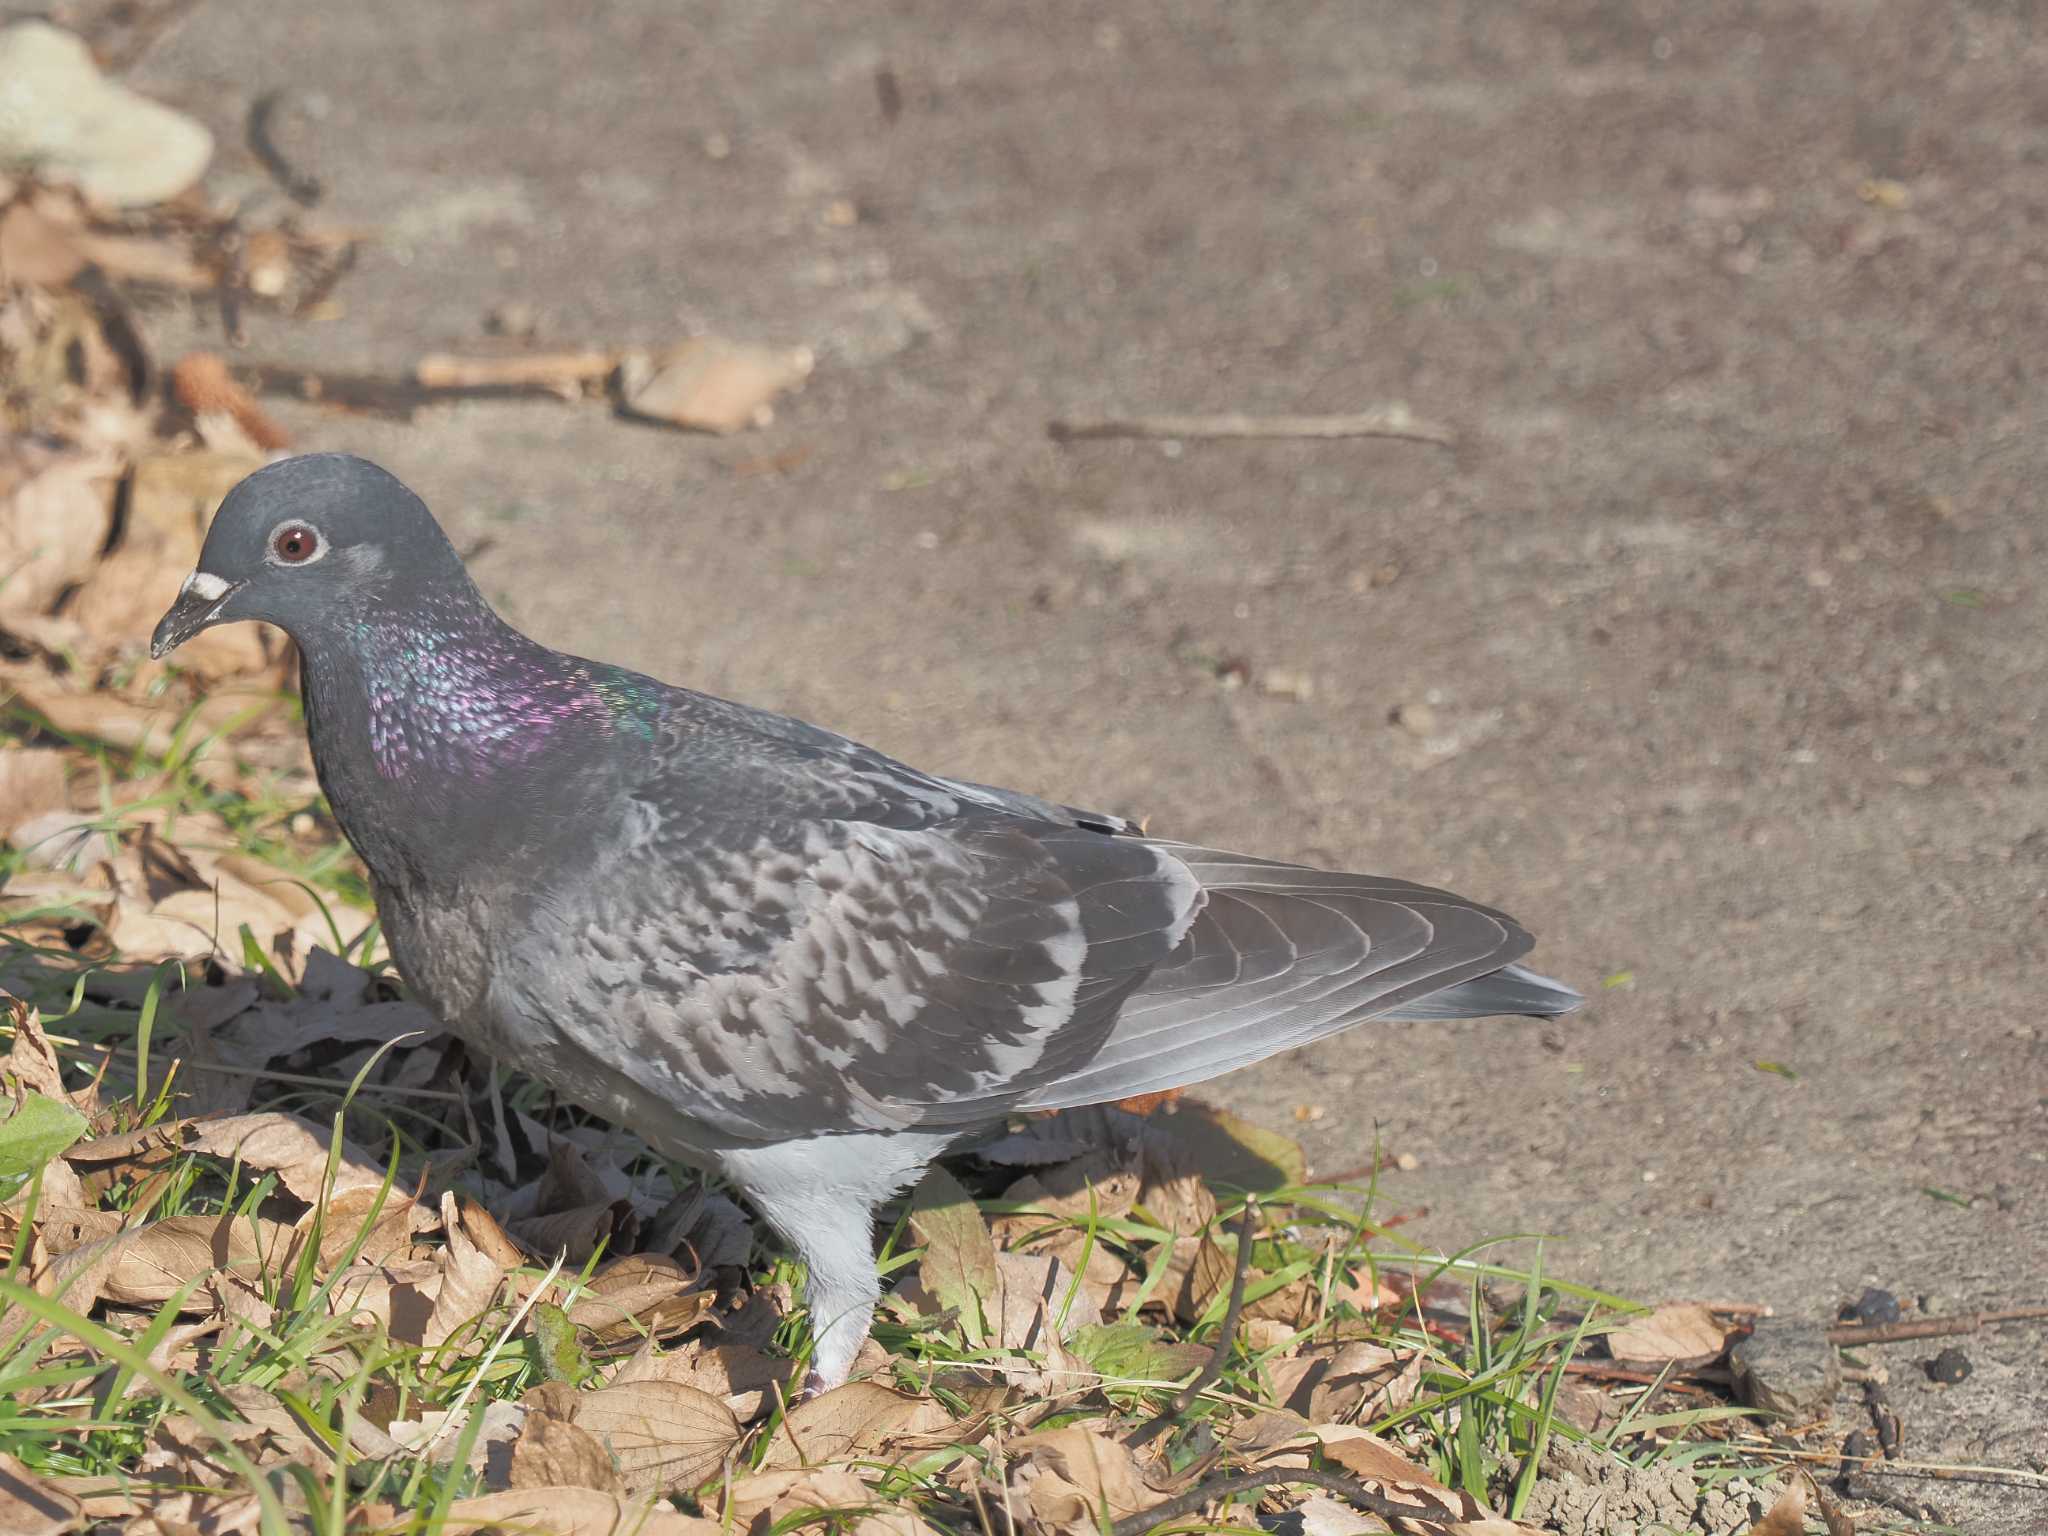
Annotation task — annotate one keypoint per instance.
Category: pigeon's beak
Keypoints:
(199, 604)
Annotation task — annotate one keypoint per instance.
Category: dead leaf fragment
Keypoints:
(29, 1506)
(858, 1420)
(54, 519)
(766, 1500)
(959, 1265)
(1681, 1333)
(664, 1437)
(553, 1453)
(293, 1147)
(204, 386)
(1075, 1478)
(1787, 1515)
(470, 1279)
(711, 385)
(566, 1511)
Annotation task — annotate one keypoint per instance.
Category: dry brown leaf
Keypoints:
(640, 1296)
(1787, 1515)
(1682, 1333)
(1229, 1150)
(485, 1233)
(1072, 1189)
(710, 384)
(53, 523)
(272, 1031)
(398, 1222)
(29, 1506)
(121, 723)
(755, 1504)
(437, 1435)
(1033, 1290)
(285, 1438)
(292, 1147)
(958, 1269)
(740, 1374)
(32, 783)
(203, 385)
(32, 1061)
(571, 1512)
(555, 1453)
(1377, 1463)
(1329, 1385)
(579, 1232)
(401, 1295)
(470, 1279)
(858, 1420)
(1321, 1515)
(1173, 1193)
(155, 1261)
(37, 249)
(1076, 1477)
(1209, 1278)
(663, 1436)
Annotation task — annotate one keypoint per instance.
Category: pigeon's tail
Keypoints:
(1511, 989)
(1281, 955)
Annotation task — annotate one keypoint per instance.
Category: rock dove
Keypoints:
(769, 950)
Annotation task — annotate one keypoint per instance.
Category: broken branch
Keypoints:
(1394, 422)
(1930, 1327)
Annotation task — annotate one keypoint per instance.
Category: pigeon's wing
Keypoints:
(790, 939)
(1281, 955)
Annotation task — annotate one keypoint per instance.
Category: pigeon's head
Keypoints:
(309, 542)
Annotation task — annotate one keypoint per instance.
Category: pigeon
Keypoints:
(775, 953)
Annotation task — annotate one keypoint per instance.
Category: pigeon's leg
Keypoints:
(820, 1194)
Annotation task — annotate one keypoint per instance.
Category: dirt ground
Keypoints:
(1713, 652)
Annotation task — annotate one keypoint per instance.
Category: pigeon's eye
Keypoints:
(295, 544)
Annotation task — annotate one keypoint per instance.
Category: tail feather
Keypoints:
(1513, 989)
(1282, 955)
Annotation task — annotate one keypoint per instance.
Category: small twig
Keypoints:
(1205, 1378)
(373, 394)
(1393, 422)
(553, 370)
(1930, 1327)
(298, 186)
(1243, 1482)
(1600, 1370)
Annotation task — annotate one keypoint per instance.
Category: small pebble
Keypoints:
(1873, 1306)
(1949, 1367)
(1407, 1162)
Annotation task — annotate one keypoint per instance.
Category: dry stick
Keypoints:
(1394, 422)
(1345, 1487)
(439, 370)
(1184, 1399)
(1930, 1327)
(373, 394)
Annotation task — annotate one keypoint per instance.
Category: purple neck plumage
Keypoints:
(432, 723)
(454, 690)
